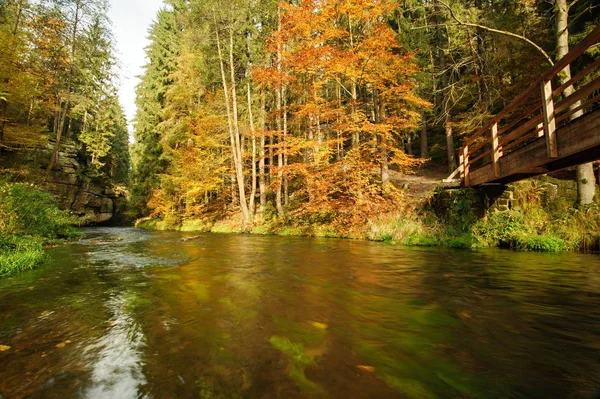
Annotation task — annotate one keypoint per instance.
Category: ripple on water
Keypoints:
(116, 357)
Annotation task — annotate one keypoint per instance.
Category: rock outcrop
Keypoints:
(92, 201)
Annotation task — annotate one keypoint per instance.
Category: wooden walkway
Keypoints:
(550, 126)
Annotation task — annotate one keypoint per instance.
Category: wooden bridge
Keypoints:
(550, 126)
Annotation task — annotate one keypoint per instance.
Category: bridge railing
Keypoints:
(537, 112)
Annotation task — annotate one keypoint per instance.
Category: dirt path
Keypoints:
(420, 185)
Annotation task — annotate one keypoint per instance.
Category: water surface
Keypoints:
(133, 314)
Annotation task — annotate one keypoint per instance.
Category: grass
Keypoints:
(29, 219)
(20, 253)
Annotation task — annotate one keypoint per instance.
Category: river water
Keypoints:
(132, 314)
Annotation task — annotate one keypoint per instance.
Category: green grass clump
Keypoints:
(19, 254)
(29, 219)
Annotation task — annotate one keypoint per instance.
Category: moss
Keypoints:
(196, 225)
(264, 229)
(227, 227)
(293, 231)
(298, 359)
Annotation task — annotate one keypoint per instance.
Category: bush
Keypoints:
(29, 218)
(26, 210)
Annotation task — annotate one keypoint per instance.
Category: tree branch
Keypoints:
(501, 32)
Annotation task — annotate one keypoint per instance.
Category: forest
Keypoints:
(303, 114)
(63, 134)
(328, 118)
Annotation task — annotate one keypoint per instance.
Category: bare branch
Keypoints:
(501, 32)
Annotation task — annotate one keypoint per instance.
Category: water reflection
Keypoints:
(127, 313)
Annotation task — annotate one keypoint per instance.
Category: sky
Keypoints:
(131, 20)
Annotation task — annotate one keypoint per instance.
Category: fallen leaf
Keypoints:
(63, 344)
(4, 348)
(368, 369)
(318, 325)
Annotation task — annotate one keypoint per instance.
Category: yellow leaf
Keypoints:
(368, 369)
(62, 344)
(320, 326)
(4, 348)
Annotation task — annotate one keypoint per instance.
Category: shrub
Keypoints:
(25, 209)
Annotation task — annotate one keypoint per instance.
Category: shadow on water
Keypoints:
(126, 313)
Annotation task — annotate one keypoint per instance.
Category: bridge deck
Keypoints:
(578, 142)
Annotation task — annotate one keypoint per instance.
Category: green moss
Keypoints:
(298, 359)
(196, 225)
(293, 231)
(264, 229)
(227, 227)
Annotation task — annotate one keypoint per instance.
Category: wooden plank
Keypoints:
(495, 150)
(579, 136)
(482, 175)
(578, 95)
(572, 55)
(581, 106)
(549, 119)
(524, 115)
(534, 122)
(582, 74)
(522, 139)
(467, 166)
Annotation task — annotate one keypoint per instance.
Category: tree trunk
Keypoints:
(3, 107)
(4, 101)
(424, 144)
(450, 144)
(65, 112)
(261, 162)
(279, 191)
(253, 132)
(238, 144)
(586, 182)
(236, 161)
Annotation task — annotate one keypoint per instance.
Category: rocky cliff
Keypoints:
(92, 201)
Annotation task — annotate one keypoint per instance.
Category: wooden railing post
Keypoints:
(466, 167)
(495, 150)
(549, 119)
(461, 167)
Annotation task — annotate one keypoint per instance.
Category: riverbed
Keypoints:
(127, 313)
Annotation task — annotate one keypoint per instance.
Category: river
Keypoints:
(127, 313)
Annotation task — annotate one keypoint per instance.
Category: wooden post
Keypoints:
(549, 119)
(461, 161)
(466, 167)
(495, 150)
(540, 130)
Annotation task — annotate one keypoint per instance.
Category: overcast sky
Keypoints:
(131, 20)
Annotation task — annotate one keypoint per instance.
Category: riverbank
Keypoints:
(30, 220)
(540, 217)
